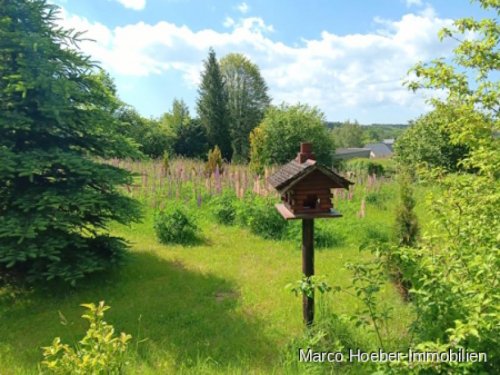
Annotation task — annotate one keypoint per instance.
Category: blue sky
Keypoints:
(349, 58)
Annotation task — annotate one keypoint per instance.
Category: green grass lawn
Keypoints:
(217, 307)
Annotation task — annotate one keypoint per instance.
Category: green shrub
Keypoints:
(223, 207)
(99, 352)
(324, 236)
(330, 333)
(375, 169)
(174, 225)
(365, 166)
(427, 142)
(261, 217)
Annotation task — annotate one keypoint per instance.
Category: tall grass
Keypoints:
(218, 306)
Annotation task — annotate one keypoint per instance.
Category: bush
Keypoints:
(174, 225)
(365, 166)
(329, 333)
(427, 141)
(260, 216)
(324, 236)
(99, 352)
(223, 207)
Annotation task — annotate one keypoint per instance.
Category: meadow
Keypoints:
(218, 305)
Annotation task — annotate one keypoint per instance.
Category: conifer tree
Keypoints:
(212, 106)
(407, 227)
(56, 123)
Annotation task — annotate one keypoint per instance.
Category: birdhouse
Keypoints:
(306, 187)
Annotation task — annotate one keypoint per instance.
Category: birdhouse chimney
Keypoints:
(305, 153)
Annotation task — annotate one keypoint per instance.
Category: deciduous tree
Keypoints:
(276, 140)
(247, 100)
(177, 117)
(455, 273)
(152, 136)
(349, 134)
(189, 136)
(191, 140)
(427, 143)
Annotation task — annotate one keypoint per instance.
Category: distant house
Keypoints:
(371, 150)
(389, 143)
(351, 153)
(380, 150)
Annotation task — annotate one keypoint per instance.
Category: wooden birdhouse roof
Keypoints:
(293, 172)
(296, 170)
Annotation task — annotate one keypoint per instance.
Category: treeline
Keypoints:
(352, 134)
(232, 100)
(178, 132)
(233, 114)
(233, 109)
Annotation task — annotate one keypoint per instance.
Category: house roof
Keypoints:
(390, 143)
(379, 149)
(293, 172)
(348, 153)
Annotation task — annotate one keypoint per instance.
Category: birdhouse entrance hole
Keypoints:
(311, 201)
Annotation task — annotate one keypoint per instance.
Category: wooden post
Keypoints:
(308, 267)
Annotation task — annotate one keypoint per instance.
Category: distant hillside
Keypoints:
(334, 124)
(374, 132)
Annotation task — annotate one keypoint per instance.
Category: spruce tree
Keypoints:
(212, 106)
(56, 124)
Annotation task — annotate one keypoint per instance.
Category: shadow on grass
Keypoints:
(187, 317)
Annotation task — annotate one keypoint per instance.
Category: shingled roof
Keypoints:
(293, 172)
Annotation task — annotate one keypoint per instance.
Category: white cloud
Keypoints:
(228, 22)
(334, 72)
(409, 3)
(133, 4)
(243, 8)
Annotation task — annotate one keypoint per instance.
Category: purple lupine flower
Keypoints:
(362, 209)
(218, 186)
(237, 187)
